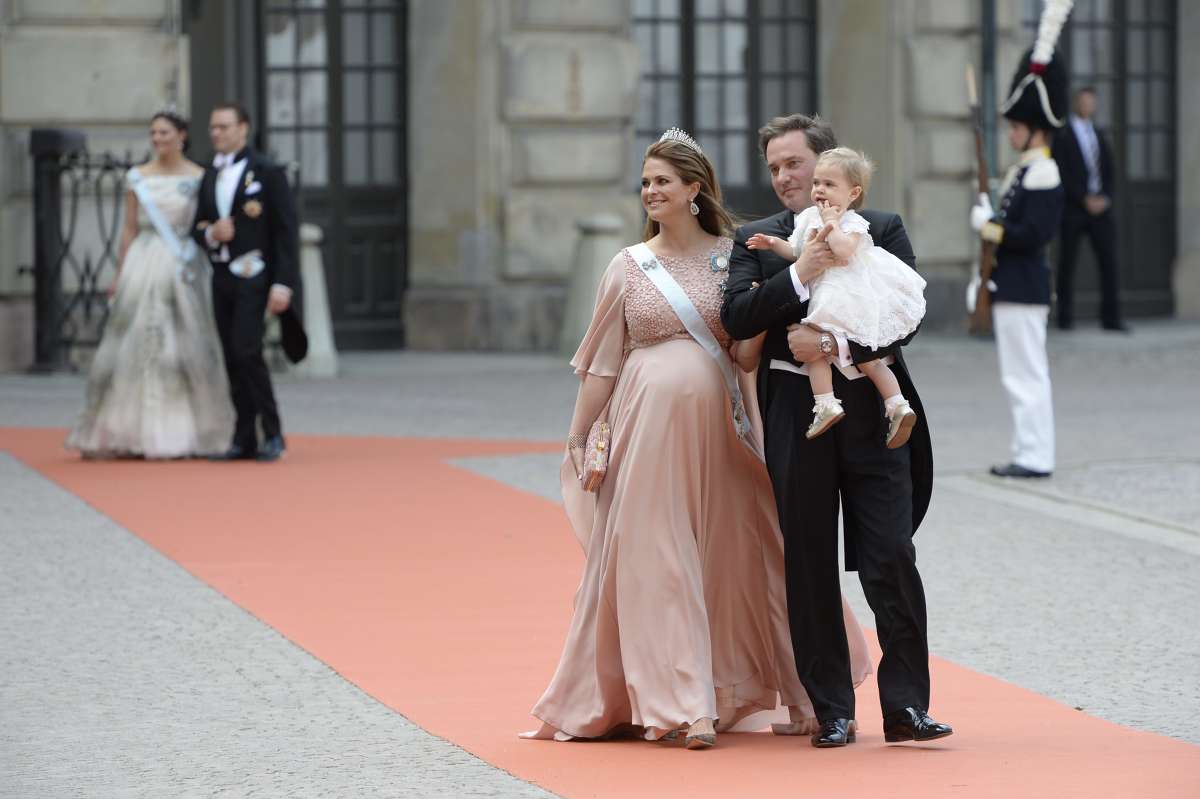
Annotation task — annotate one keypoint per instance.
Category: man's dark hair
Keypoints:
(1085, 90)
(817, 131)
(237, 108)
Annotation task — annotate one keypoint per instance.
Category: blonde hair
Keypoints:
(692, 167)
(854, 165)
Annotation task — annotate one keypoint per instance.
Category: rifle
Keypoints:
(980, 322)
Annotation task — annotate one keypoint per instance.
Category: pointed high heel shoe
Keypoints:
(701, 735)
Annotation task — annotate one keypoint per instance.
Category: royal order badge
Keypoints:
(253, 209)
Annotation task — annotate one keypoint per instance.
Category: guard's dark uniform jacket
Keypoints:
(1031, 208)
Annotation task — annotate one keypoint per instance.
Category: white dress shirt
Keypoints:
(1089, 145)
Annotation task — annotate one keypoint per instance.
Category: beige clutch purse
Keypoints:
(595, 456)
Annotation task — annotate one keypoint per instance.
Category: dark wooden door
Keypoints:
(1125, 49)
(332, 97)
(718, 69)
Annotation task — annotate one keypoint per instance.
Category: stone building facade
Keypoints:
(519, 117)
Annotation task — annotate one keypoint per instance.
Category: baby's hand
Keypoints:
(761, 241)
(830, 213)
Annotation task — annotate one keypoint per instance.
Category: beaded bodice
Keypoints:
(649, 318)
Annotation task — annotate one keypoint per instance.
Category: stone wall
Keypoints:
(901, 97)
(521, 114)
(101, 66)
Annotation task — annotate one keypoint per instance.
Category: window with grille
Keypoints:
(720, 69)
(1125, 49)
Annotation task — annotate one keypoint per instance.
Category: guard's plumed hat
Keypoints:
(1038, 94)
(1038, 98)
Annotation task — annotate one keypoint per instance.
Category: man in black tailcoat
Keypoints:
(246, 223)
(883, 493)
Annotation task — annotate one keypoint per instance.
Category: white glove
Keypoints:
(981, 212)
(972, 293)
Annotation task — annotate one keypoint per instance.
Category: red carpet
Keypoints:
(446, 595)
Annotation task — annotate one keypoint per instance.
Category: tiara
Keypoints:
(169, 110)
(681, 136)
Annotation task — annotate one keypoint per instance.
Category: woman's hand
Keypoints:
(577, 462)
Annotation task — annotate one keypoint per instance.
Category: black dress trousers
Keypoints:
(875, 485)
(239, 305)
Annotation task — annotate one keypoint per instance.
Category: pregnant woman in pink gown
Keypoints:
(680, 619)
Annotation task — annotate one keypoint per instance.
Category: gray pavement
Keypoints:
(1083, 588)
(121, 675)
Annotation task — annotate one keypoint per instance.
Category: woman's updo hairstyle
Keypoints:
(176, 121)
(692, 166)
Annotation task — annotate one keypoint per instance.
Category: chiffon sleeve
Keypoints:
(603, 346)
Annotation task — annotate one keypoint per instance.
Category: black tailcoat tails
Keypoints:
(264, 216)
(883, 493)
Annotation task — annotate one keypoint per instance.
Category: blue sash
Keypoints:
(182, 249)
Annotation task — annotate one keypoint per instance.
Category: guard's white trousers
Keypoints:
(1025, 372)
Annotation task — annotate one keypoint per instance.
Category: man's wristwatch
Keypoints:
(827, 344)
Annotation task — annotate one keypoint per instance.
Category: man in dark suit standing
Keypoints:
(883, 493)
(246, 222)
(1085, 163)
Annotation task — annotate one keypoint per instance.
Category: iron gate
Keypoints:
(77, 203)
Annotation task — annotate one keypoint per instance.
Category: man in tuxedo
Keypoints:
(246, 222)
(883, 492)
(1085, 164)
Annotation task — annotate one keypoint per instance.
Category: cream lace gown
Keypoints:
(681, 612)
(157, 386)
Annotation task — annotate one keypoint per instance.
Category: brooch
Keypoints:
(648, 264)
(718, 263)
(253, 209)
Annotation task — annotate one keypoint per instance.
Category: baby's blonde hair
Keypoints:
(854, 165)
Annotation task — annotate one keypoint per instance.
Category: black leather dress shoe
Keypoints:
(236, 452)
(835, 732)
(1013, 470)
(271, 449)
(913, 724)
(1116, 327)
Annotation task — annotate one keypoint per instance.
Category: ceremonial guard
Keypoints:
(1030, 212)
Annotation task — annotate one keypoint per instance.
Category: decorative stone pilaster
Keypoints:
(553, 86)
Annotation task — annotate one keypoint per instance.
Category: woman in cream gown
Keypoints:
(157, 386)
(680, 618)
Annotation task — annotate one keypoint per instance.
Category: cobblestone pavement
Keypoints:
(1083, 588)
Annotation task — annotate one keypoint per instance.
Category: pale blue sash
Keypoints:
(674, 294)
(183, 249)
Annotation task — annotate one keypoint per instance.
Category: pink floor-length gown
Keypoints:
(681, 612)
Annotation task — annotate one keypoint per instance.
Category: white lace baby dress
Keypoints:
(875, 300)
